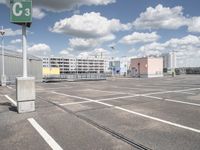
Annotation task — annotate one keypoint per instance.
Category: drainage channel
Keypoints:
(103, 128)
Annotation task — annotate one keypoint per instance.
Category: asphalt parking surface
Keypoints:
(118, 114)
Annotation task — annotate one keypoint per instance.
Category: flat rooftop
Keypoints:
(116, 114)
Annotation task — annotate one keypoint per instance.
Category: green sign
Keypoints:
(21, 11)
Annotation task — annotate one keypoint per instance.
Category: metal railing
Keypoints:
(76, 77)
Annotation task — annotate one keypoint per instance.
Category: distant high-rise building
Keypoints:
(124, 66)
(169, 61)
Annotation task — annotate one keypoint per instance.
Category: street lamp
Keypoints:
(3, 77)
(173, 59)
(113, 48)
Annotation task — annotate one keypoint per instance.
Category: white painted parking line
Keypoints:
(187, 93)
(50, 141)
(10, 87)
(159, 120)
(154, 97)
(75, 103)
(116, 98)
(11, 100)
(110, 92)
(188, 103)
(136, 113)
(58, 88)
(171, 100)
(100, 100)
(87, 99)
(120, 87)
(175, 91)
(130, 88)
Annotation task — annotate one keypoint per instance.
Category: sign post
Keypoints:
(21, 14)
(3, 76)
(24, 45)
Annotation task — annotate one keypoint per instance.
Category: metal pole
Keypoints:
(24, 49)
(173, 64)
(2, 47)
(3, 77)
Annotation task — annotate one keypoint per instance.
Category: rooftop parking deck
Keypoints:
(118, 113)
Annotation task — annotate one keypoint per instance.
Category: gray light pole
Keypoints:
(3, 77)
(173, 59)
(112, 59)
(24, 46)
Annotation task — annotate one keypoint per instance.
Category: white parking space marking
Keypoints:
(116, 98)
(154, 97)
(136, 113)
(75, 103)
(100, 100)
(87, 99)
(11, 100)
(50, 141)
(130, 88)
(110, 92)
(58, 88)
(171, 100)
(120, 87)
(188, 103)
(159, 120)
(175, 91)
(10, 87)
(187, 93)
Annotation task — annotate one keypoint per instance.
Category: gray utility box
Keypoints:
(25, 94)
(3, 80)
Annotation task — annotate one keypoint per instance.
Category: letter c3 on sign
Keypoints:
(19, 12)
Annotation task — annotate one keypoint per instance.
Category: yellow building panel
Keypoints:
(51, 71)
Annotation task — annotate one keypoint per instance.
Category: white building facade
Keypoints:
(124, 66)
(73, 65)
(169, 61)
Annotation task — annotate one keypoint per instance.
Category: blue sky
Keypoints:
(133, 27)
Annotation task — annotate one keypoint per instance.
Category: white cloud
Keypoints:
(64, 5)
(96, 53)
(38, 13)
(89, 25)
(10, 32)
(187, 49)
(194, 24)
(137, 37)
(90, 30)
(82, 44)
(66, 53)
(16, 41)
(39, 49)
(88, 44)
(161, 17)
(132, 50)
(111, 45)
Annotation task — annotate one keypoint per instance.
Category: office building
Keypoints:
(169, 61)
(73, 65)
(124, 66)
